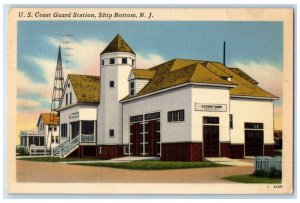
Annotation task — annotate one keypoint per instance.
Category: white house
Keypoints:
(180, 110)
(47, 133)
(78, 115)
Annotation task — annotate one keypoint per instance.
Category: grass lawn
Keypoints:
(154, 165)
(56, 159)
(252, 179)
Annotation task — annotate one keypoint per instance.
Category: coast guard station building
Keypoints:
(181, 110)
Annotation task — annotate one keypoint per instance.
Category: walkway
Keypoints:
(46, 172)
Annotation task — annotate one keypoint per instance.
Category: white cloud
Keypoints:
(269, 76)
(148, 60)
(28, 103)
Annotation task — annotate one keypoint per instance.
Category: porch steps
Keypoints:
(67, 148)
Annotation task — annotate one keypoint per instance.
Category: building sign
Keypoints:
(210, 107)
(74, 115)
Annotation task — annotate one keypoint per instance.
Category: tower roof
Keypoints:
(118, 44)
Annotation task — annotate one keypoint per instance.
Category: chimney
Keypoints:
(224, 53)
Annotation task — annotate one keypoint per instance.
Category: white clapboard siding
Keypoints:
(140, 84)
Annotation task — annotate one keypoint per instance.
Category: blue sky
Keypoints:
(256, 47)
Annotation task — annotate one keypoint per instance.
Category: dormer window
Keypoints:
(124, 60)
(111, 61)
(131, 89)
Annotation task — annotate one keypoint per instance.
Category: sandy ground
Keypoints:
(46, 172)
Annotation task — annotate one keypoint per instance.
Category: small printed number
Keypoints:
(278, 186)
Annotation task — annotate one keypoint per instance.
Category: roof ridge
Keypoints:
(211, 72)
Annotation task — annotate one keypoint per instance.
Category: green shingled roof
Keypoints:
(118, 44)
(86, 88)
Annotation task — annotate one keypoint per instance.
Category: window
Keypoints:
(131, 89)
(55, 128)
(102, 62)
(50, 128)
(175, 116)
(111, 61)
(56, 139)
(87, 127)
(52, 139)
(64, 130)
(124, 60)
(133, 62)
(111, 83)
(152, 116)
(100, 150)
(230, 121)
(70, 97)
(136, 118)
(67, 99)
(111, 132)
(68, 84)
(210, 120)
(254, 125)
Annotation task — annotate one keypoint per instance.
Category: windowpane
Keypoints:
(132, 84)
(87, 127)
(254, 125)
(70, 97)
(181, 115)
(102, 62)
(174, 116)
(169, 116)
(230, 121)
(211, 120)
(124, 60)
(67, 99)
(111, 83)
(111, 61)
(111, 133)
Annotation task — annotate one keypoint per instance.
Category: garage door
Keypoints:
(145, 135)
(254, 139)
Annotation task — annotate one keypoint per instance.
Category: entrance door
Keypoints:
(254, 142)
(75, 129)
(211, 140)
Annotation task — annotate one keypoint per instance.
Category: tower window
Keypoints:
(124, 60)
(111, 83)
(102, 62)
(111, 132)
(133, 61)
(111, 61)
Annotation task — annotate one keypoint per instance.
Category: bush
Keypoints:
(273, 173)
(22, 152)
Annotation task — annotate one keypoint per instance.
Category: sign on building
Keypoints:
(74, 115)
(210, 107)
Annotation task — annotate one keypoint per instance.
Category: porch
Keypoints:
(85, 130)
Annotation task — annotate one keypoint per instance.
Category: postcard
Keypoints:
(150, 101)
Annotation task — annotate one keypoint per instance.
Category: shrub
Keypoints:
(22, 152)
(273, 173)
